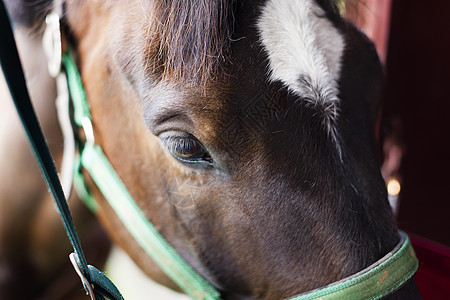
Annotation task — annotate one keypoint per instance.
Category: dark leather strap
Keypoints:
(15, 78)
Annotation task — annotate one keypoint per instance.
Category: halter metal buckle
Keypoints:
(86, 284)
(88, 130)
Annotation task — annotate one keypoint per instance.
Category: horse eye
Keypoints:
(187, 149)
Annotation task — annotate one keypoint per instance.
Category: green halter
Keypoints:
(377, 281)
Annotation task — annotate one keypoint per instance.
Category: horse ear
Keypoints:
(28, 13)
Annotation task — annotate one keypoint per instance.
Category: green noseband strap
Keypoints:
(377, 281)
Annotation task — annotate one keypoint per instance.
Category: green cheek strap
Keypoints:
(115, 192)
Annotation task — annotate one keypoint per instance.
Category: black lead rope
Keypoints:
(15, 79)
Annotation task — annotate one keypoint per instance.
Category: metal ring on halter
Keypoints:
(76, 266)
(52, 43)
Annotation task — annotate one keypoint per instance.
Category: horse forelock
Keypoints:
(189, 38)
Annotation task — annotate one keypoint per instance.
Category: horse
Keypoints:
(244, 131)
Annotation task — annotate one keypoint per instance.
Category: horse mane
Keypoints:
(190, 38)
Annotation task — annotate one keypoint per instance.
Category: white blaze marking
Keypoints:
(304, 51)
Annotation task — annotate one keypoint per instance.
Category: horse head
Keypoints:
(245, 132)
